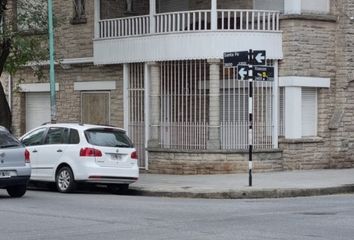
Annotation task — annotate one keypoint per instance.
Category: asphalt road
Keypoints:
(90, 216)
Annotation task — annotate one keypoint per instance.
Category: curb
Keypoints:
(253, 194)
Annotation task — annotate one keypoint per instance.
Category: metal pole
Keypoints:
(53, 107)
(250, 117)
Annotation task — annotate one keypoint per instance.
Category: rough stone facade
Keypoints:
(69, 100)
(212, 162)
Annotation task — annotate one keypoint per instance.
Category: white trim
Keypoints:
(94, 85)
(126, 96)
(66, 61)
(147, 82)
(185, 46)
(293, 113)
(97, 17)
(293, 81)
(76, 60)
(275, 105)
(292, 6)
(37, 87)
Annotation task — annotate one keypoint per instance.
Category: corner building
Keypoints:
(155, 68)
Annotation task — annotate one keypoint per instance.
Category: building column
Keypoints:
(152, 13)
(293, 113)
(214, 15)
(154, 104)
(214, 104)
(292, 6)
(97, 18)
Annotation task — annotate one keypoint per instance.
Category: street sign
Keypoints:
(258, 57)
(242, 72)
(232, 59)
(261, 73)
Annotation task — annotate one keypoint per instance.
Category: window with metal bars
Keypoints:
(184, 104)
(79, 15)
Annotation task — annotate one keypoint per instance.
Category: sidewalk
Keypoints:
(232, 186)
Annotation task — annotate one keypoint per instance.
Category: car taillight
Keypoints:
(27, 156)
(134, 155)
(90, 152)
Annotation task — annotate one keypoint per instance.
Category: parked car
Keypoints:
(71, 153)
(15, 169)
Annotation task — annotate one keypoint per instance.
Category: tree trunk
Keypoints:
(5, 112)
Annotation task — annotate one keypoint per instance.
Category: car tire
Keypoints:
(17, 191)
(64, 180)
(118, 188)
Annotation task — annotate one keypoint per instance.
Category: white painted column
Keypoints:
(214, 15)
(275, 105)
(154, 105)
(214, 104)
(126, 95)
(146, 110)
(97, 18)
(292, 6)
(293, 113)
(152, 12)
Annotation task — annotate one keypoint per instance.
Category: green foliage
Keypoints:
(27, 32)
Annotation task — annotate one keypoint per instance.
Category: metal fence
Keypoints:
(234, 113)
(136, 122)
(184, 104)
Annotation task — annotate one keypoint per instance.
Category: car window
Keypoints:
(108, 137)
(34, 138)
(55, 135)
(74, 137)
(7, 140)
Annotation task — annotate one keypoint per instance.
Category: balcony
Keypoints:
(186, 35)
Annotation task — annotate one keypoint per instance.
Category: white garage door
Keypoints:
(37, 109)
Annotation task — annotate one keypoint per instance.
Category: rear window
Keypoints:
(108, 137)
(7, 140)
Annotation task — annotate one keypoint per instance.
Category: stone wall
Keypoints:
(343, 135)
(68, 100)
(309, 50)
(73, 40)
(208, 162)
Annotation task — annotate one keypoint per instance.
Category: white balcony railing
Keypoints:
(183, 21)
(187, 21)
(123, 27)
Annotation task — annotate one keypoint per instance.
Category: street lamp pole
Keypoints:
(53, 106)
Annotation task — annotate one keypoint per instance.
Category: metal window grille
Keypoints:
(184, 104)
(234, 113)
(136, 122)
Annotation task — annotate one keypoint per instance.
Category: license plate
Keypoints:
(115, 157)
(5, 174)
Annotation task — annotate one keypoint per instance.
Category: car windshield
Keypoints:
(7, 140)
(108, 137)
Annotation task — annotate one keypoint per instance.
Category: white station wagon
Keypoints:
(70, 153)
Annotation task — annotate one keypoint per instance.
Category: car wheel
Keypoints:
(118, 188)
(64, 180)
(17, 191)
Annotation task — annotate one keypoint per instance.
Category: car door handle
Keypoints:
(59, 150)
(34, 151)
